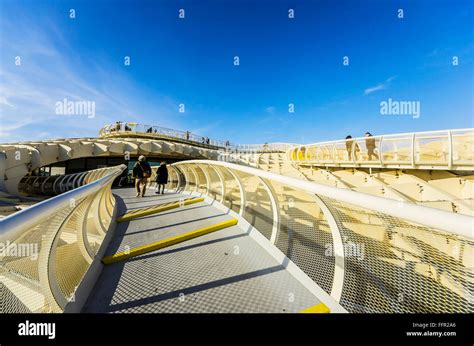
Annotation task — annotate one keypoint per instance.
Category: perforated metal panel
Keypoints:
(258, 210)
(304, 235)
(51, 258)
(389, 264)
(401, 266)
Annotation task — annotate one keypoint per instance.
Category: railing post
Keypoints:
(306, 153)
(413, 150)
(178, 177)
(55, 183)
(186, 178)
(450, 150)
(381, 151)
(43, 185)
(243, 201)
(338, 250)
(196, 179)
(181, 184)
(275, 209)
(85, 247)
(221, 179)
(208, 179)
(333, 153)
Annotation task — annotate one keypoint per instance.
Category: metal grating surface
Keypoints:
(396, 266)
(258, 209)
(304, 235)
(225, 271)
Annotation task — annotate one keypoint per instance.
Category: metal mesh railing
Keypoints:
(369, 253)
(47, 249)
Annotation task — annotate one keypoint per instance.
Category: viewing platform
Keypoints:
(133, 129)
(437, 150)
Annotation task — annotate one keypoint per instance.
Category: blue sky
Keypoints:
(190, 61)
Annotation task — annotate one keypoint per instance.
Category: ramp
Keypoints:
(225, 271)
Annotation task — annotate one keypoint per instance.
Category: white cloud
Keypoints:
(50, 71)
(380, 86)
(4, 101)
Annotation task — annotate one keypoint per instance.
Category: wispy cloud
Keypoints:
(49, 72)
(380, 86)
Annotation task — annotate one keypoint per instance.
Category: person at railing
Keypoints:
(161, 178)
(187, 135)
(350, 143)
(203, 140)
(370, 145)
(207, 140)
(149, 130)
(141, 173)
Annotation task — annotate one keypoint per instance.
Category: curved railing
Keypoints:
(132, 128)
(48, 248)
(122, 129)
(263, 148)
(448, 149)
(53, 185)
(371, 254)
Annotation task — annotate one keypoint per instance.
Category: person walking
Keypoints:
(370, 145)
(141, 173)
(349, 144)
(161, 177)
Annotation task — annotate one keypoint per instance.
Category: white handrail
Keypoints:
(400, 155)
(462, 225)
(389, 136)
(12, 226)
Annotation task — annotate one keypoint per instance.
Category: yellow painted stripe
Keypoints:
(320, 308)
(156, 209)
(121, 256)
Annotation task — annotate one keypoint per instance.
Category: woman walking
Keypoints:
(161, 177)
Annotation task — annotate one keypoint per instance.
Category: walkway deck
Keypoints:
(224, 271)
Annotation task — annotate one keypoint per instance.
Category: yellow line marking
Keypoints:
(320, 308)
(134, 211)
(121, 256)
(157, 209)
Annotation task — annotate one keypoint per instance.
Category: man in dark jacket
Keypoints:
(161, 177)
(141, 173)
